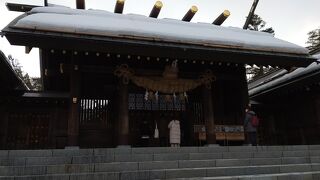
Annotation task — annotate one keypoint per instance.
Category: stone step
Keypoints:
(26, 161)
(213, 162)
(68, 153)
(70, 159)
(220, 172)
(281, 176)
(141, 166)
(153, 150)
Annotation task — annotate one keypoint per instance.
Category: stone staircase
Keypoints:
(234, 162)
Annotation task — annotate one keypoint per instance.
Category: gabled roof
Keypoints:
(141, 30)
(282, 78)
(8, 77)
(103, 23)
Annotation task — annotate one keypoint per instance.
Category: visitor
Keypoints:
(250, 125)
(174, 127)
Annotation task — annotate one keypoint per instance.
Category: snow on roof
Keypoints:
(103, 23)
(315, 66)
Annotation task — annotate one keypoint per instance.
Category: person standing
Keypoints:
(175, 134)
(250, 126)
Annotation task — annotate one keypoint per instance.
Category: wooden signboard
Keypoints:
(223, 132)
(202, 136)
(229, 132)
(220, 136)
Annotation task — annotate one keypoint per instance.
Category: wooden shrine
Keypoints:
(108, 83)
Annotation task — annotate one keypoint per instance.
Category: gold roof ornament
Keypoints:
(189, 15)
(156, 9)
(119, 6)
(220, 19)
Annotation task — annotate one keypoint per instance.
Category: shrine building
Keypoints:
(110, 78)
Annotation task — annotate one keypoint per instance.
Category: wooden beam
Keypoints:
(189, 15)
(251, 13)
(80, 4)
(20, 7)
(119, 6)
(220, 19)
(28, 49)
(156, 9)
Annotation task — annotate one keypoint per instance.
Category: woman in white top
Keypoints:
(174, 127)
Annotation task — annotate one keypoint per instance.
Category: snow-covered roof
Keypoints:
(299, 72)
(103, 23)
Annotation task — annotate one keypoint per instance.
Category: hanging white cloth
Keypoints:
(156, 132)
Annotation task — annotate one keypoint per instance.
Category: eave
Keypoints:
(300, 81)
(149, 47)
(20, 7)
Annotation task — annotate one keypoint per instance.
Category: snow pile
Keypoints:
(103, 23)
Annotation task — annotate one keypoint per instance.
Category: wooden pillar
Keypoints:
(317, 109)
(43, 55)
(123, 115)
(73, 120)
(208, 115)
(4, 126)
(244, 92)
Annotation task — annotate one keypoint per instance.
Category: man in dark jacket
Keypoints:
(250, 130)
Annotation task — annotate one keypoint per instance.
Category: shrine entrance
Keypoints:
(146, 115)
(155, 100)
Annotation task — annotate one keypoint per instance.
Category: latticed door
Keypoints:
(28, 130)
(96, 126)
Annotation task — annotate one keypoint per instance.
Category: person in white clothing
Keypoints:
(174, 127)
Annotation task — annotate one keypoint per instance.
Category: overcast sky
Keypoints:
(291, 19)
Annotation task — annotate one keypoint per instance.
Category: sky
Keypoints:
(291, 19)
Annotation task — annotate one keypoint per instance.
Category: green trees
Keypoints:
(313, 39)
(258, 24)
